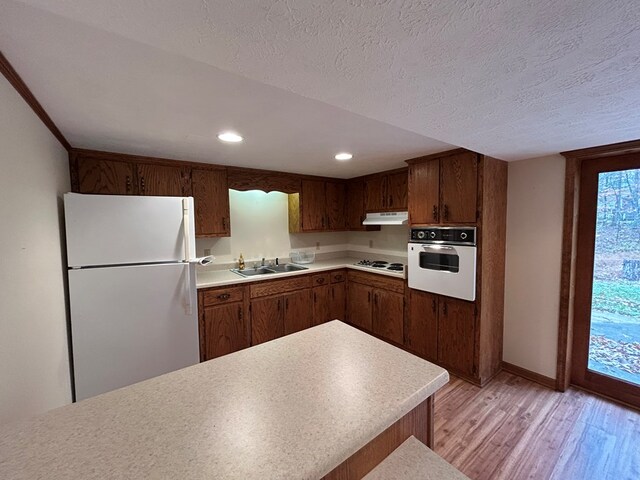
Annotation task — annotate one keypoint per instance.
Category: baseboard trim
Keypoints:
(529, 375)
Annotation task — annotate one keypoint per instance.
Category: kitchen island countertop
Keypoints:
(295, 407)
(216, 278)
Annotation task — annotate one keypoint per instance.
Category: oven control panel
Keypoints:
(447, 235)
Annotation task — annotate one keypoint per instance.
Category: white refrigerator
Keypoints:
(132, 288)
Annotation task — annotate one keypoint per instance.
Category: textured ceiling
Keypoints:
(509, 78)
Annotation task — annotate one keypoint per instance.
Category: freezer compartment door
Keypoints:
(120, 230)
(132, 323)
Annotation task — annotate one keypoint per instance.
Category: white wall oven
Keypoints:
(442, 260)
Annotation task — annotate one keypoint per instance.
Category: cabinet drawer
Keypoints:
(338, 276)
(377, 281)
(275, 287)
(320, 279)
(223, 295)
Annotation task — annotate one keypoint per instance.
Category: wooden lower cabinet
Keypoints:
(338, 301)
(442, 330)
(224, 321)
(225, 330)
(388, 315)
(359, 312)
(321, 304)
(376, 304)
(297, 311)
(267, 322)
(421, 328)
(456, 335)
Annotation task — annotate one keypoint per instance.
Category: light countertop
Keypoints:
(295, 407)
(216, 278)
(414, 460)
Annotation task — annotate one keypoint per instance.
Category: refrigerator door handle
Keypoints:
(186, 229)
(189, 302)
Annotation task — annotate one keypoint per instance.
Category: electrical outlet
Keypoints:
(370, 243)
(207, 252)
(317, 245)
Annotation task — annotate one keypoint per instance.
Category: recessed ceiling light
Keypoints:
(229, 137)
(344, 156)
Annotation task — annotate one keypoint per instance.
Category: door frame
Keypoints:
(575, 292)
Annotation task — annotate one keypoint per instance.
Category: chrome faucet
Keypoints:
(262, 261)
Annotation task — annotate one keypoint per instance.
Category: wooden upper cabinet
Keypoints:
(211, 198)
(459, 188)
(424, 192)
(355, 210)
(456, 335)
(313, 205)
(375, 194)
(162, 180)
(444, 190)
(336, 196)
(421, 333)
(106, 177)
(397, 191)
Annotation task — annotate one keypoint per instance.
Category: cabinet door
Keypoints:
(424, 192)
(459, 188)
(211, 198)
(397, 191)
(337, 303)
(359, 305)
(225, 330)
(355, 205)
(375, 200)
(313, 205)
(266, 319)
(105, 177)
(321, 304)
(388, 315)
(421, 334)
(297, 311)
(336, 199)
(456, 335)
(161, 180)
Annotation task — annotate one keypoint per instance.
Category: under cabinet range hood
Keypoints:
(387, 218)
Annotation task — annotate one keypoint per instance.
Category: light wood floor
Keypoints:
(516, 429)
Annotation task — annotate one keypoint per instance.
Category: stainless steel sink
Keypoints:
(287, 267)
(253, 272)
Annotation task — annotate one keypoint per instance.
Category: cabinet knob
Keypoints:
(320, 280)
(224, 296)
(142, 185)
(128, 185)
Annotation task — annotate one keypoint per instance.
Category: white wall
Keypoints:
(534, 250)
(259, 228)
(34, 363)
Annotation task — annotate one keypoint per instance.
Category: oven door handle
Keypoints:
(442, 249)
